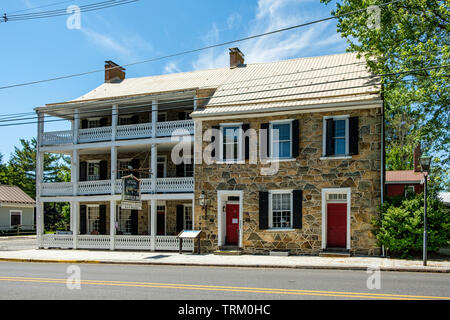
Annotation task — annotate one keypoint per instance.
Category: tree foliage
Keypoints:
(412, 34)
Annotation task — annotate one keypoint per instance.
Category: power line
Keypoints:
(244, 100)
(198, 49)
(63, 12)
(43, 6)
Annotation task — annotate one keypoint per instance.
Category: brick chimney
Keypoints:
(113, 72)
(416, 163)
(236, 58)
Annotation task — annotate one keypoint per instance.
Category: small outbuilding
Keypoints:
(16, 210)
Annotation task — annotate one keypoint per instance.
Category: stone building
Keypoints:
(287, 157)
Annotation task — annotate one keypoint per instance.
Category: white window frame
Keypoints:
(88, 224)
(120, 174)
(240, 141)
(189, 205)
(89, 162)
(161, 159)
(10, 216)
(288, 121)
(120, 219)
(272, 192)
(324, 138)
(405, 191)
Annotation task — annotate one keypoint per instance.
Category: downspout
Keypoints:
(383, 154)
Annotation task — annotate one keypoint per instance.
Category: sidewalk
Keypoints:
(189, 259)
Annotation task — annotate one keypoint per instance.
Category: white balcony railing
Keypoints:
(183, 184)
(85, 241)
(132, 131)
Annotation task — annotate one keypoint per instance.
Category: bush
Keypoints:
(400, 226)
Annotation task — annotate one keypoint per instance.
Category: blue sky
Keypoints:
(46, 48)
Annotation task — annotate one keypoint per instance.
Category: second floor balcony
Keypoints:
(121, 132)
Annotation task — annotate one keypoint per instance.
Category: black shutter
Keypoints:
(102, 224)
(353, 135)
(245, 128)
(181, 116)
(83, 171)
(263, 210)
(329, 143)
(297, 209)
(103, 122)
(135, 119)
(135, 164)
(134, 222)
(266, 154)
(295, 139)
(103, 170)
(215, 153)
(84, 124)
(180, 217)
(180, 170)
(83, 219)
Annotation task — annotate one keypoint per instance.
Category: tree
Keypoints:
(412, 34)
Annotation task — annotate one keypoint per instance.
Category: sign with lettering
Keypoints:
(131, 193)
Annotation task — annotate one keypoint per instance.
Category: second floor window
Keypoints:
(93, 123)
(281, 144)
(123, 166)
(231, 142)
(93, 171)
(341, 136)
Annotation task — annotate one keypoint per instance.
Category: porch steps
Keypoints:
(335, 253)
(228, 251)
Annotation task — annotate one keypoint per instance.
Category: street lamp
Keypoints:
(425, 162)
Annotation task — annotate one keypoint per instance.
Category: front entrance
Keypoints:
(232, 222)
(336, 225)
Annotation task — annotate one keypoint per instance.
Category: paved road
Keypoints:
(101, 281)
(18, 243)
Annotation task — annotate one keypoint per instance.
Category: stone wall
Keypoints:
(309, 173)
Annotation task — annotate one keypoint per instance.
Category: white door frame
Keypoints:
(221, 216)
(326, 191)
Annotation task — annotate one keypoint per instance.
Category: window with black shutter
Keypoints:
(83, 219)
(84, 124)
(341, 136)
(103, 170)
(295, 138)
(103, 122)
(83, 171)
(134, 222)
(245, 128)
(297, 209)
(263, 210)
(102, 218)
(180, 218)
(265, 140)
(329, 145)
(215, 142)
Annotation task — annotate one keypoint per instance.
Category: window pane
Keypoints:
(339, 146)
(284, 131)
(339, 128)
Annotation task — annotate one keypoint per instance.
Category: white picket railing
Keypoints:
(184, 184)
(94, 187)
(95, 134)
(87, 241)
(132, 131)
(57, 241)
(57, 137)
(56, 189)
(121, 242)
(176, 128)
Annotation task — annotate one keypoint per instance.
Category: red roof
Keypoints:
(402, 176)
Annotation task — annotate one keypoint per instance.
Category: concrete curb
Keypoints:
(269, 266)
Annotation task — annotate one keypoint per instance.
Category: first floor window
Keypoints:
(124, 221)
(16, 216)
(93, 219)
(188, 217)
(409, 190)
(93, 171)
(281, 210)
(281, 140)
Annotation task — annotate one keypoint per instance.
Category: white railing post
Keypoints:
(113, 169)
(74, 169)
(75, 222)
(76, 125)
(153, 203)
(112, 224)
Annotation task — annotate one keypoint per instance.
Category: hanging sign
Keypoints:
(131, 193)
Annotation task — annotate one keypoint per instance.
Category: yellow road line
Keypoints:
(189, 286)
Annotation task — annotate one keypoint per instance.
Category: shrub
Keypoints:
(400, 226)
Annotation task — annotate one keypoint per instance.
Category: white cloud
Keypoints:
(171, 67)
(272, 15)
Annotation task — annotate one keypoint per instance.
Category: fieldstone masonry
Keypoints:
(361, 173)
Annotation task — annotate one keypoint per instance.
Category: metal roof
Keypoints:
(14, 195)
(402, 176)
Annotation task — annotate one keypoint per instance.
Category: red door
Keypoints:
(232, 224)
(337, 225)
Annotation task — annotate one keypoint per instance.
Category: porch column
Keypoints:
(74, 170)
(40, 128)
(76, 125)
(74, 205)
(113, 169)
(154, 148)
(112, 223)
(114, 118)
(39, 203)
(153, 203)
